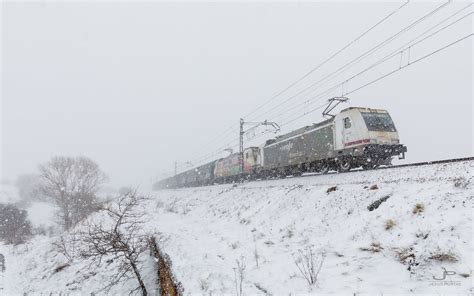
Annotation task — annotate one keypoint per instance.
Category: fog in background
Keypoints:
(137, 86)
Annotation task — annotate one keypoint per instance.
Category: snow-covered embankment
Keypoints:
(423, 226)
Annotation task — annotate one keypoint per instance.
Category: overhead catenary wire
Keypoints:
(386, 75)
(328, 59)
(411, 63)
(360, 57)
(407, 46)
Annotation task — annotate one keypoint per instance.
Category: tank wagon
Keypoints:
(355, 137)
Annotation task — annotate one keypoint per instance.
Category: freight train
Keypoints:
(355, 137)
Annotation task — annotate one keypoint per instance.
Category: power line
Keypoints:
(328, 59)
(362, 56)
(388, 74)
(405, 47)
(415, 61)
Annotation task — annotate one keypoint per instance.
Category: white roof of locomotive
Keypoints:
(365, 109)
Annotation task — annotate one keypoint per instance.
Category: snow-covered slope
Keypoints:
(209, 228)
(206, 230)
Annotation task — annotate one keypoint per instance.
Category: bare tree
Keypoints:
(72, 183)
(309, 264)
(122, 238)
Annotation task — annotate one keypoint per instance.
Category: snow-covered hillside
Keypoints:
(209, 228)
(419, 233)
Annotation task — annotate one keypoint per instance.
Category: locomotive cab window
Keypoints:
(381, 122)
(347, 122)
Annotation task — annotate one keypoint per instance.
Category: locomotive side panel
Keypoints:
(313, 145)
(228, 167)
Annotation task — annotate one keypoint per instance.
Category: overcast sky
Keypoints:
(136, 86)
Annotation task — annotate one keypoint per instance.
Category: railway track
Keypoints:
(398, 166)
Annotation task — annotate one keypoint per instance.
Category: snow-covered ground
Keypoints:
(206, 230)
(209, 228)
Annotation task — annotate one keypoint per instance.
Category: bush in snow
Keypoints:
(309, 264)
(407, 257)
(443, 256)
(419, 208)
(68, 244)
(72, 183)
(14, 226)
(389, 224)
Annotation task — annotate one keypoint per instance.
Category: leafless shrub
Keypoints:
(309, 264)
(389, 224)
(373, 248)
(67, 244)
(239, 276)
(406, 256)
(121, 238)
(444, 256)
(419, 208)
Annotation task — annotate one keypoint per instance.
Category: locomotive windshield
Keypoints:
(379, 122)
